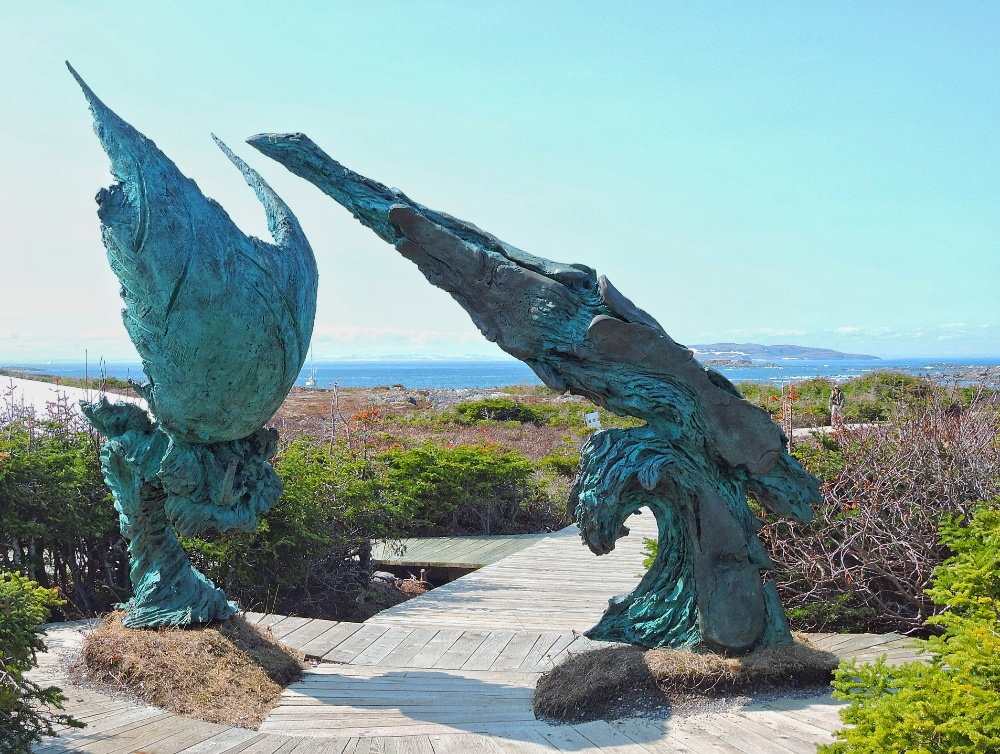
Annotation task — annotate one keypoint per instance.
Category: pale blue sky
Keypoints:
(825, 174)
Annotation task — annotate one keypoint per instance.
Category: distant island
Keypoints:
(752, 351)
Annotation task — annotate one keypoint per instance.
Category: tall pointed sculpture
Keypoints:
(702, 450)
(222, 322)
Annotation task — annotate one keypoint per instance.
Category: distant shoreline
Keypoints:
(489, 374)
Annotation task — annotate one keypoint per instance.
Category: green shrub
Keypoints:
(311, 553)
(473, 489)
(821, 455)
(870, 398)
(560, 461)
(841, 613)
(57, 519)
(874, 397)
(499, 410)
(810, 405)
(26, 709)
(951, 703)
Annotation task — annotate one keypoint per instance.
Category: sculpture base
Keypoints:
(704, 589)
(139, 462)
(189, 600)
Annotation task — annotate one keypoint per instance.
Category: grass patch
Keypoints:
(618, 680)
(227, 673)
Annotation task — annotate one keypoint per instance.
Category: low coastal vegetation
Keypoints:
(365, 465)
(874, 397)
(900, 494)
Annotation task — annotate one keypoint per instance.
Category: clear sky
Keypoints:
(825, 174)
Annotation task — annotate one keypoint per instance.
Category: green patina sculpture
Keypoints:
(222, 322)
(702, 450)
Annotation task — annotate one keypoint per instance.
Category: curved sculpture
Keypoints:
(702, 450)
(222, 322)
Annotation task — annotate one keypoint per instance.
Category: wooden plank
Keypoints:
(788, 736)
(461, 650)
(566, 738)
(697, 741)
(267, 745)
(553, 586)
(223, 741)
(101, 718)
(107, 726)
(385, 717)
(525, 745)
(400, 695)
(281, 629)
(779, 728)
(382, 646)
(462, 743)
(325, 673)
(141, 736)
(188, 733)
(412, 744)
(408, 649)
(412, 728)
(323, 746)
(861, 642)
(305, 634)
(488, 652)
(543, 644)
(670, 737)
(823, 714)
(807, 731)
(608, 739)
(745, 737)
(329, 639)
(241, 746)
(515, 652)
(351, 647)
(550, 659)
(269, 621)
(454, 552)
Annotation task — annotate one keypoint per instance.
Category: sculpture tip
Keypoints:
(280, 221)
(222, 145)
(79, 80)
(95, 103)
(270, 143)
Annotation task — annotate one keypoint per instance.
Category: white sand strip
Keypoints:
(43, 395)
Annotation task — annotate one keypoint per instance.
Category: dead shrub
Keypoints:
(228, 673)
(866, 560)
(618, 681)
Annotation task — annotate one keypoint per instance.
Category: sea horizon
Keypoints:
(485, 373)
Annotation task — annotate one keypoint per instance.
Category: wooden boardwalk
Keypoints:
(451, 552)
(554, 586)
(452, 672)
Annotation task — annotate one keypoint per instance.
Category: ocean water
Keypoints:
(458, 373)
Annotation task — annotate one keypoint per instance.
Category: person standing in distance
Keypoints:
(837, 401)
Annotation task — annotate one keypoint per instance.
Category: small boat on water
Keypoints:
(311, 379)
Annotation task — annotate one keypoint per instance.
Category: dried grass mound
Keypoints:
(228, 673)
(618, 680)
